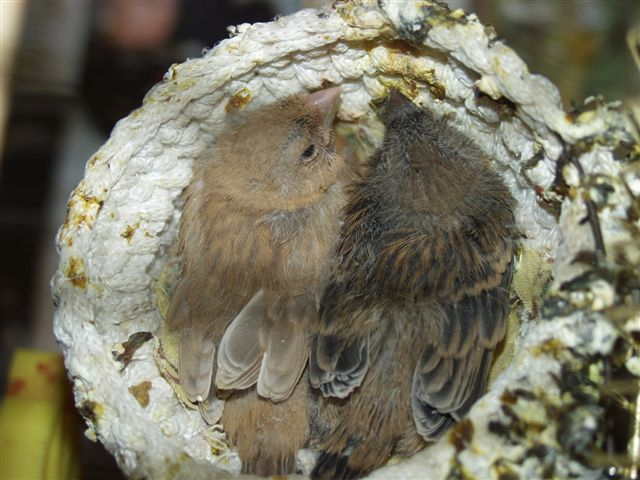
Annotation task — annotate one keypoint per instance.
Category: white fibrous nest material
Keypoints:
(568, 173)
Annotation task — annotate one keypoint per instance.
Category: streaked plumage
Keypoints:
(418, 298)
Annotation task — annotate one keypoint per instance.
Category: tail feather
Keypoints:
(268, 435)
(240, 352)
(286, 347)
(197, 356)
(337, 367)
(333, 466)
(434, 413)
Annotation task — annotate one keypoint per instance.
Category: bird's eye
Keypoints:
(308, 152)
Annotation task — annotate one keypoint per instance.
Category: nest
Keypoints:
(575, 293)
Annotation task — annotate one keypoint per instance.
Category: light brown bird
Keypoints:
(260, 221)
(419, 295)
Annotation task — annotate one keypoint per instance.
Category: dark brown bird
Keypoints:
(419, 296)
(259, 224)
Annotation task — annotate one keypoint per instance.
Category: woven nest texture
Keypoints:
(116, 243)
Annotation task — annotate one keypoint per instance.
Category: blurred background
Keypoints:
(69, 69)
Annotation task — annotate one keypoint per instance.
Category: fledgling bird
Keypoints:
(418, 298)
(260, 221)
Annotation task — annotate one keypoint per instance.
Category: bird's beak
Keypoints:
(399, 105)
(327, 101)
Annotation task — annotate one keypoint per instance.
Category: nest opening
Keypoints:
(117, 246)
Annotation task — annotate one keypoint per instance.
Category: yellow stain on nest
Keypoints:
(82, 209)
(437, 90)
(509, 397)
(393, 60)
(238, 100)
(506, 350)
(164, 286)
(441, 16)
(128, 232)
(351, 14)
(530, 282)
(165, 355)
(92, 411)
(76, 272)
(531, 279)
(217, 450)
(461, 434)
(394, 46)
(141, 392)
(504, 471)
(184, 84)
(457, 14)
(94, 160)
(173, 467)
(552, 347)
(85, 201)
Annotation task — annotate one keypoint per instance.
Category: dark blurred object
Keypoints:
(97, 463)
(47, 61)
(115, 81)
(139, 25)
(207, 22)
(123, 64)
(11, 22)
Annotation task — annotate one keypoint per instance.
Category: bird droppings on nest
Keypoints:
(123, 352)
